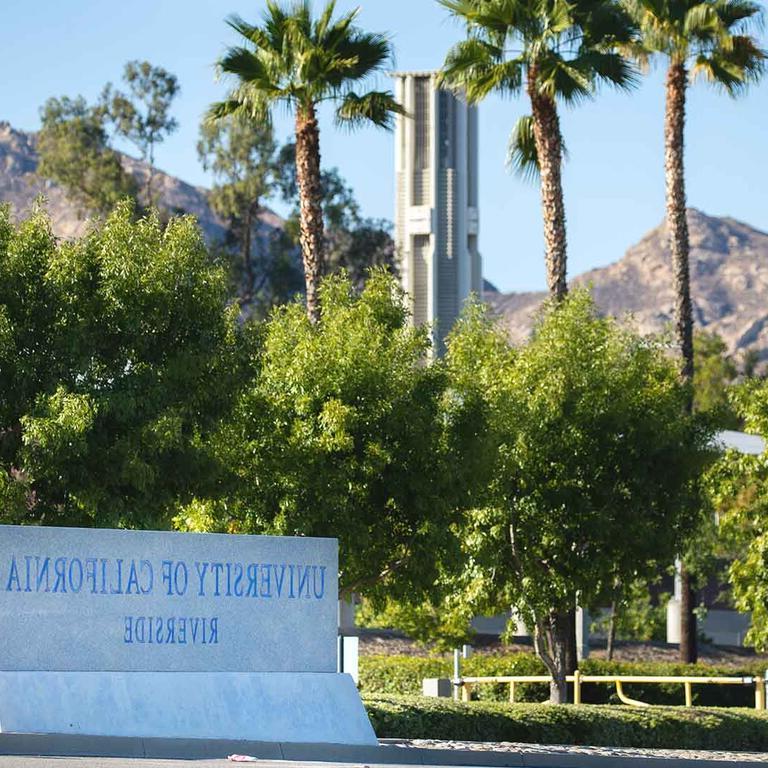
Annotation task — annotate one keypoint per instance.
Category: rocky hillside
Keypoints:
(729, 274)
(20, 185)
(729, 260)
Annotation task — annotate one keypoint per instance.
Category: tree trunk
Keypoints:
(247, 261)
(677, 232)
(558, 688)
(549, 639)
(311, 233)
(150, 173)
(571, 654)
(611, 631)
(689, 652)
(549, 149)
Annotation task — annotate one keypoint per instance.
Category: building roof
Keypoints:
(415, 73)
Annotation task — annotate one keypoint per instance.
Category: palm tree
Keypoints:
(696, 37)
(298, 61)
(555, 50)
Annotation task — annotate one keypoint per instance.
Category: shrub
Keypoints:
(671, 728)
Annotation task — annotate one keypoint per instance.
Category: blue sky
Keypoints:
(613, 179)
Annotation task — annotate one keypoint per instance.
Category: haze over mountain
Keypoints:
(729, 259)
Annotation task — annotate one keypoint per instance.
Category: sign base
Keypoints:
(296, 707)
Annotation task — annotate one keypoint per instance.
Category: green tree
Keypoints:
(143, 116)
(738, 486)
(694, 37)
(633, 615)
(348, 431)
(352, 242)
(300, 62)
(595, 462)
(118, 354)
(714, 374)
(556, 51)
(74, 151)
(241, 157)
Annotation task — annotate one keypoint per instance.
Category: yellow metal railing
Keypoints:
(465, 685)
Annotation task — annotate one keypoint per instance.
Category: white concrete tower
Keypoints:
(436, 219)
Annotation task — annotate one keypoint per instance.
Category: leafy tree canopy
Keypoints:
(595, 462)
(738, 487)
(74, 151)
(348, 432)
(242, 158)
(714, 374)
(117, 356)
(143, 115)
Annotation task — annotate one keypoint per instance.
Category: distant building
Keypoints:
(436, 218)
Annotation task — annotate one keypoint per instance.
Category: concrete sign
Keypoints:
(130, 601)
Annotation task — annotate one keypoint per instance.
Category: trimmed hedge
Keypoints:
(671, 728)
(402, 675)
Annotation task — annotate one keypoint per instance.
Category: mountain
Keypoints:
(729, 285)
(20, 185)
(729, 259)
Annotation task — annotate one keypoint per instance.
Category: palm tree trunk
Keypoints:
(677, 232)
(311, 233)
(549, 149)
(677, 224)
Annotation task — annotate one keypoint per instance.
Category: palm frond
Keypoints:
(253, 34)
(735, 69)
(245, 65)
(605, 23)
(559, 19)
(522, 158)
(733, 12)
(703, 22)
(559, 78)
(333, 34)
(221, 110)
(365, 53)
(377, 107)
(488, 16)
(476, 67)
(236, 109)
(613, 68)
(324, 20)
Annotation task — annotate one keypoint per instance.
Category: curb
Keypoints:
(76, 745)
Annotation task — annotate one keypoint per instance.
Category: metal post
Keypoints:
(512, 692)
(688, 694)
(759, 693)
(576, 688)
(456, 673)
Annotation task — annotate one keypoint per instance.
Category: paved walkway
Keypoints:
(455, 753)
(616, 752)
